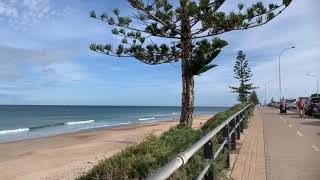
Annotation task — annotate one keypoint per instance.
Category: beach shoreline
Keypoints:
(92, 129)
(66, 156)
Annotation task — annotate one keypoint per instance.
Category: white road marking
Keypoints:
(299, 133)
(290, 125)
(315, 148)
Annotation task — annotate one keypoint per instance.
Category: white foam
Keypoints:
(124, 123)
(163, 115)
(112, 125)
(80, 122)
(145, 119)
(20, 130)
(106, 125)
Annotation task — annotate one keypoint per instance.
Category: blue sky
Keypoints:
(45, 58)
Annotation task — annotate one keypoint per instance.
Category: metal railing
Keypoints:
(231, 129)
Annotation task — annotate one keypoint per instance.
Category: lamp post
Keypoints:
(265, 91)
(316, 77)
(280, 69)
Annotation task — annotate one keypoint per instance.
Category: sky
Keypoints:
(45, 58)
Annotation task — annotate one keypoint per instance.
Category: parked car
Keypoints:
(277, 105)
(316, 111)
(291, 104)
(311, 103)
(272, 104)
(305, 99)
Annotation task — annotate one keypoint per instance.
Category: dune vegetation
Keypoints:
(140, 160)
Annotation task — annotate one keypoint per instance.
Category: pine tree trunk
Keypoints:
(187, 105)
(187, 99)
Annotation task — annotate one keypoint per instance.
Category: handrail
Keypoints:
(235, 121)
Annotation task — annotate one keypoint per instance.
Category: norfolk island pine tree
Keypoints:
(242, 72)
(189, 30)
(254, 98)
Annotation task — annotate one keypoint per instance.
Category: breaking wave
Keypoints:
(13, 131)
(145, 119)
(79, 122)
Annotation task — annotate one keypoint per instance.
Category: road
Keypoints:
(292, 145)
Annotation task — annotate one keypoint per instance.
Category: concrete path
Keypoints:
(288, 145)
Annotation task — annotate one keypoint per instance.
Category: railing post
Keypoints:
(233, 141)
(209, 175)
(208, 154)
(239, 127)
(227, 148)
(233, 135)
(241, 123)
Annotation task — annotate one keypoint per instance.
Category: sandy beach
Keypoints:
(68, 155)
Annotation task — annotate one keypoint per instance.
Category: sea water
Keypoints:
(30, 121)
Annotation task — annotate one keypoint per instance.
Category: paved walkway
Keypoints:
(250, 163)
(279, 147)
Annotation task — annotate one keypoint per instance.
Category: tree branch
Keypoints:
(251, 25)
(155, 18)
(135, 29)
(215, 8)
(169, 57)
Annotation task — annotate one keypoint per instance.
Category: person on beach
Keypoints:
(282, 106)
(300, 105)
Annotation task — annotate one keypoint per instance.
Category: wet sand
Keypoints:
(68, 155)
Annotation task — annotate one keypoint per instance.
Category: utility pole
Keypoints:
(280, 70)
(317, 78)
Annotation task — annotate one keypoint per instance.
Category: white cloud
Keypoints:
(65, 72)
(26, 70)
(13, 55)
(23, 70)
(15, 61)
(294, 67)
(20, 15)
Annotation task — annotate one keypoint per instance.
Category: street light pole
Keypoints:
(265, 92)
(312, 75)
(280, 69)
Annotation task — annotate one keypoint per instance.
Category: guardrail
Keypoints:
(231, 129)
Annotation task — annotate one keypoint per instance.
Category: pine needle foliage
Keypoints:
(242, 73)
(161, 19)
(163, 31)
(254, 98)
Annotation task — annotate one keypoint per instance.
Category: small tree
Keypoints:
(242, 72)
(179, 31)
(254, 98)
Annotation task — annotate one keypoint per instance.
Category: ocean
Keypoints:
(19, 122)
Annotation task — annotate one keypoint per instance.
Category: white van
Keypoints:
(291, 104)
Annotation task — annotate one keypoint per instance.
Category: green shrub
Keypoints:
(220, 117)
(140, 160)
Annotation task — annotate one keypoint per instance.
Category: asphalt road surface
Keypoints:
(292, 145)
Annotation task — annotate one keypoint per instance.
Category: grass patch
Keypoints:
(140, 160)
